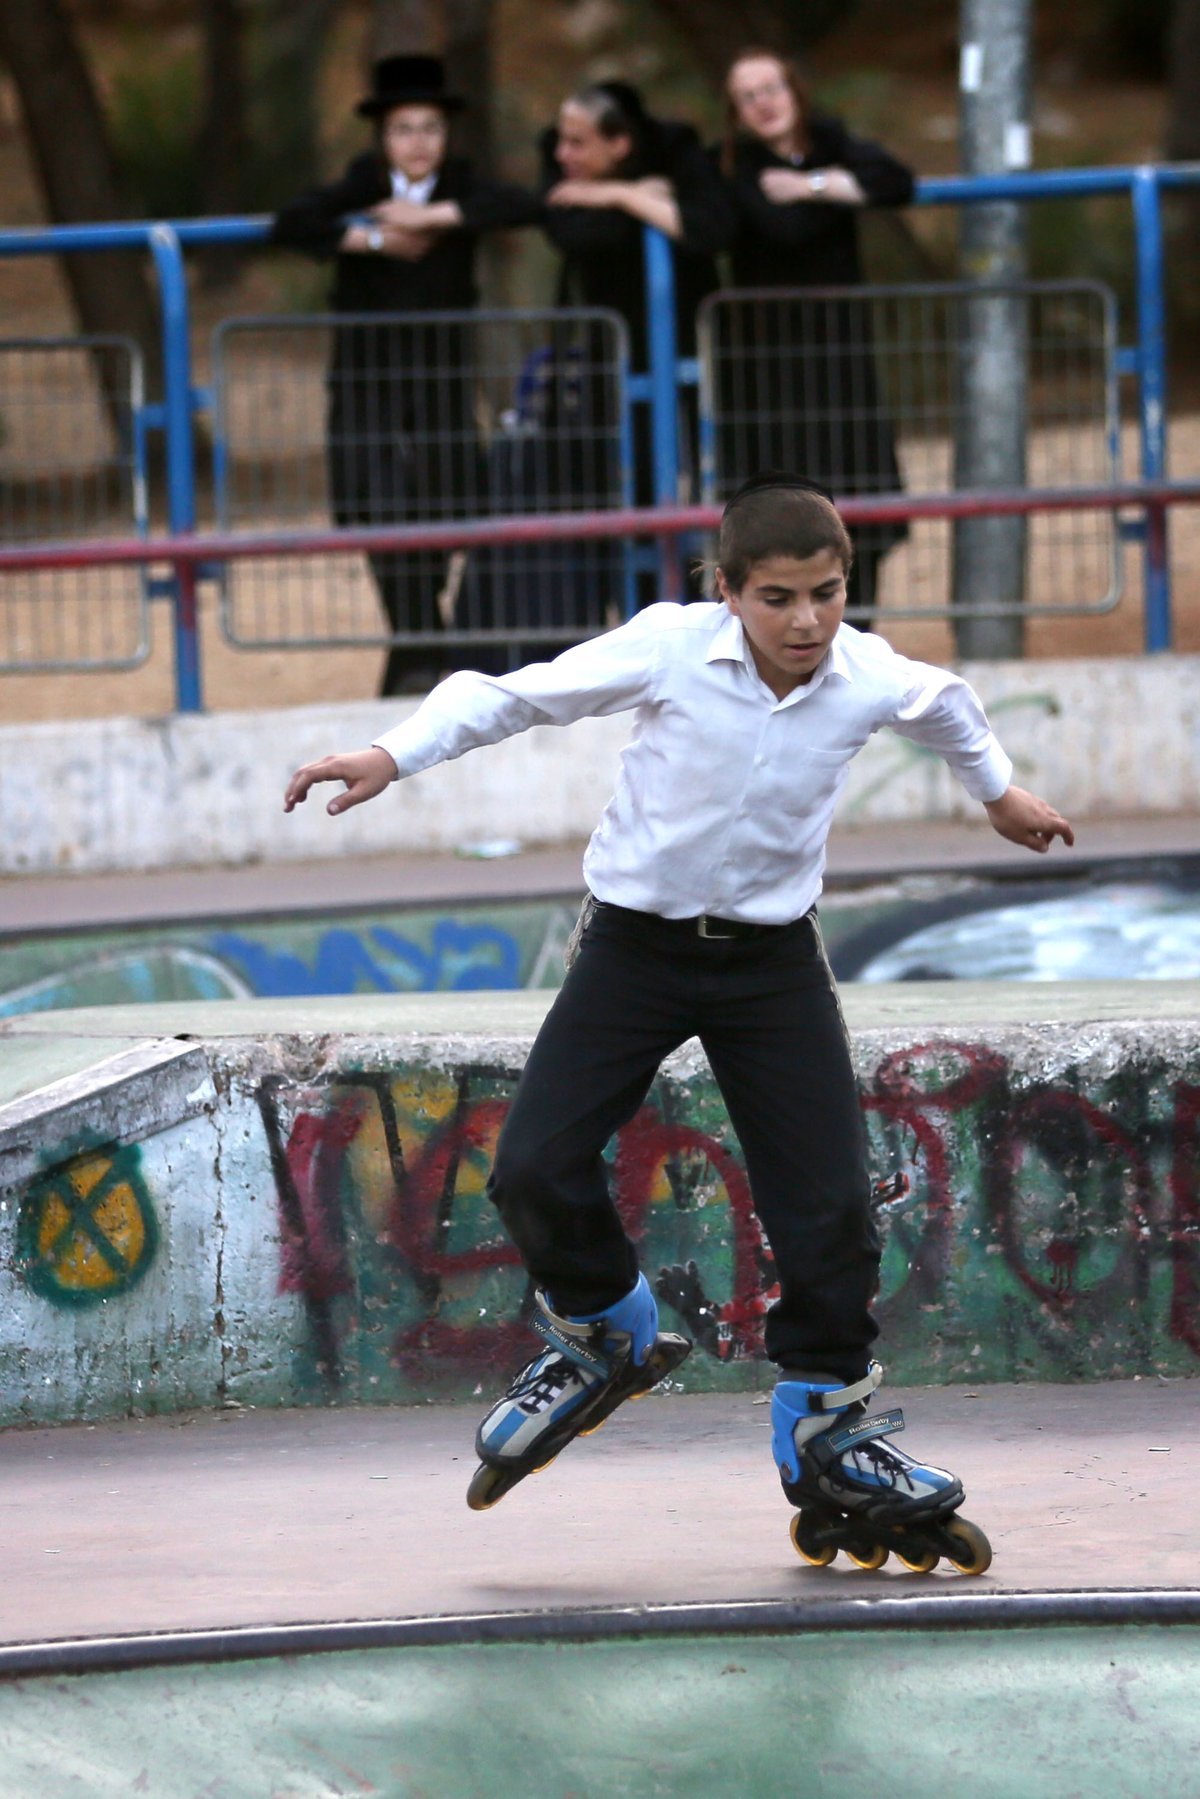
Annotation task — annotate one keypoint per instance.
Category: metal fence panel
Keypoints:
(71, 467)
(421, 418)
(867, 389)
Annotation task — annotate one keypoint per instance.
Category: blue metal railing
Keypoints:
(1145, 360)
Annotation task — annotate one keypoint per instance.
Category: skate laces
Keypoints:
(541, 1382)
(876, 1457)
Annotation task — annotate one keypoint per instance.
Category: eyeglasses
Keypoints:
(770, 90)
(434, 129)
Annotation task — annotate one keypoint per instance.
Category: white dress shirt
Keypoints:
(725, 793)
(416, 191)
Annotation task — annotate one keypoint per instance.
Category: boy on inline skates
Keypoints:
(703, 876)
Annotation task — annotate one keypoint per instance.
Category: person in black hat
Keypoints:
(402, 224)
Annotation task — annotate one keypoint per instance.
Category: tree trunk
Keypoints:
(223, 144)
(1183, 145)
(69, 139)
(470, 72)
(286, 115)
(1183, 63)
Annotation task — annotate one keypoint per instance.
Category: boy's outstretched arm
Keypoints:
(1023, 818)
(364, 773)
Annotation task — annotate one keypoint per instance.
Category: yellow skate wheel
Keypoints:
(972, 1553)
(869, 1558)
(487, 1486)
(817, 1555)
(918, 1561)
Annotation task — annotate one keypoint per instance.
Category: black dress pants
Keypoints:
(766, 1012)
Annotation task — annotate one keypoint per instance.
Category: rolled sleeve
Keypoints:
(943, 713)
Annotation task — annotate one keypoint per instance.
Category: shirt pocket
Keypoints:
(820, 773)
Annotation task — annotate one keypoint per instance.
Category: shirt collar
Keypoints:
(729, 645)
(416, 191)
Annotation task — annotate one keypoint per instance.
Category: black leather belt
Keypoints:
(714, 930)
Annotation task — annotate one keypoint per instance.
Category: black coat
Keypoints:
(401, 436)
(809, 243)
(603, 262)
(796, 380)
(443, 279)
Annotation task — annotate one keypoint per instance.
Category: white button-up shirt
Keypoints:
(725, 793)
(418, 192)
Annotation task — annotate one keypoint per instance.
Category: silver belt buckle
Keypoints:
(702, 930)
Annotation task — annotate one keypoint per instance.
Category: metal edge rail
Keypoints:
(666, 521)
(966, 1609)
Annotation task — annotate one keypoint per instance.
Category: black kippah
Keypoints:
(778, 479)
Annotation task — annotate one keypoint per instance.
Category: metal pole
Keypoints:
(990, 554)
(1152, 395)
(181, 474)
(664, 417)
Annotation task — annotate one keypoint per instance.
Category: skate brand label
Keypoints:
(884, 1424)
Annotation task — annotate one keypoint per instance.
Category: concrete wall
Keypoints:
(1118, 736)
(294, 1213)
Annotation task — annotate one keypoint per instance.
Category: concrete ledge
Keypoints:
(1105, 737)
(313, 1226)
(123, 1098)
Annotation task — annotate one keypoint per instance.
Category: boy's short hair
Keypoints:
(778, 514)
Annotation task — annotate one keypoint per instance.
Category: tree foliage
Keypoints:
(68, 137)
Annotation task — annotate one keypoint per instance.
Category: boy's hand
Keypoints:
(365, 773)
(1025, 819)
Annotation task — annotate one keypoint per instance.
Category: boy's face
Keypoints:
(790, 610)
(582, 151)
(414, 140)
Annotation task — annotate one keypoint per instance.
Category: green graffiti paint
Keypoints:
(86, 1229)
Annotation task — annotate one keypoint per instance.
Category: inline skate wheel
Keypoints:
(817, 1554)
(972, 1553)
(487, 1486)
(867, 1555)
(918, 1561)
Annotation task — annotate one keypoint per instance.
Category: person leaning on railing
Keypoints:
(402, 224)
(608, 169)
(797, 383)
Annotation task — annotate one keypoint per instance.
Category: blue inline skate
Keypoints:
(589, 1367)
(856, 1491)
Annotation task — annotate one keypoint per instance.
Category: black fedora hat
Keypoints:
(408, 81)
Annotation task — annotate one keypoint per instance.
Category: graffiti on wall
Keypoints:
(420, 951)
(1051, 1228)
(86, 1227)
(389, 1238)
(1046, 1231)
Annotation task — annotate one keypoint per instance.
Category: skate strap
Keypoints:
(863, 1430)
(841, 1397)
(570, 1339)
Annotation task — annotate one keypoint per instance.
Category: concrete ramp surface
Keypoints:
(1035, 1706)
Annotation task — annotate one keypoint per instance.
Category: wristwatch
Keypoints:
(817, 182)
(374, 237)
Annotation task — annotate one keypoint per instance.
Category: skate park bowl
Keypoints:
(1131, 918)
(1007, 1696)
